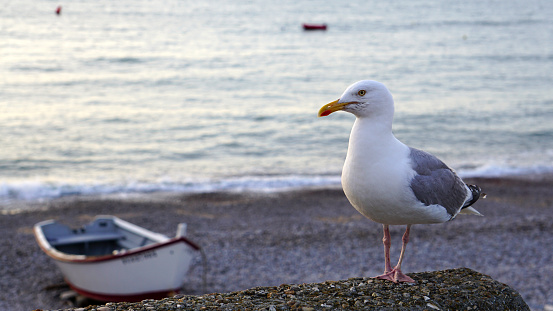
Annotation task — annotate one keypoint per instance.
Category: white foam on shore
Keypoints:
(40, 191)
(495, 171)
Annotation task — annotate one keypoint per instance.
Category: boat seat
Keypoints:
(84, 238)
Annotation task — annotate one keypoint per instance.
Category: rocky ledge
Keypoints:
(455, 289)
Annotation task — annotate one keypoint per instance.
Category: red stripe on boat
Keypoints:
(122, 297)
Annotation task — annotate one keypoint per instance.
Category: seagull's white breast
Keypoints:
(376, 179)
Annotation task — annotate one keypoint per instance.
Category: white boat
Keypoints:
(110, 259)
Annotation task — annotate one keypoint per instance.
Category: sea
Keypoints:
(179, 96)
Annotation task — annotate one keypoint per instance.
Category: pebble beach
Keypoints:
(297, 237)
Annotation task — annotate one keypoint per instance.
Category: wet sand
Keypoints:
(301, 237)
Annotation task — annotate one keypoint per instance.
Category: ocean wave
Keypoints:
(37, 190)
(121, 60)
(41, 190)
(494, 171)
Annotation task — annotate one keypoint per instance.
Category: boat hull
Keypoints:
(314, 26)
(153, 271)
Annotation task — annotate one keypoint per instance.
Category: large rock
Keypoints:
(455, 289)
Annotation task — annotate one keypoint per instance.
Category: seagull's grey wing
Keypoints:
(436, 183)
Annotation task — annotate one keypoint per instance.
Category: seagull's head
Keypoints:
(365, 98)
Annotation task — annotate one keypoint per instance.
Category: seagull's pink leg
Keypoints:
(395, 275)
(386, 240)
(387, 243)
(399, 276)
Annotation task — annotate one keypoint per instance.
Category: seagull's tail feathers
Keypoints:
(470, 211)
(476, 194)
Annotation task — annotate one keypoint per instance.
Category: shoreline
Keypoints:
(12, 205)
(302, 236)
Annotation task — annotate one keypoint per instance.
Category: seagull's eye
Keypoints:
(362, 93)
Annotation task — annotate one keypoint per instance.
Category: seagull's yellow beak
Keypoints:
(331, 107)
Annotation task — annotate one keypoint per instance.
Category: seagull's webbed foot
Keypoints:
(395, 276)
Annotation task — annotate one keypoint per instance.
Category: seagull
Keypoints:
(390, 182)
